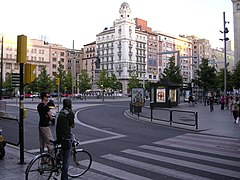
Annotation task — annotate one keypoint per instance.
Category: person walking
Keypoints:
(65, 122)
(222, 102)
(230, 104)
(211, 102)
(45, 115)
(235, 110)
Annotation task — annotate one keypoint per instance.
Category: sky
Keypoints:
(62, 21)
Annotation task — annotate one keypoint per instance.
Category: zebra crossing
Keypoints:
(189, 156)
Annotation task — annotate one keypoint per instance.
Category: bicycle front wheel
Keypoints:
(40, 168)
(79, 163)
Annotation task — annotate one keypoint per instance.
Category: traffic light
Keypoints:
(29, 73)
(21, 49)
(58, 81)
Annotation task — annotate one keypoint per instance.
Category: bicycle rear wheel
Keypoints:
(41, 167)
(79, 163)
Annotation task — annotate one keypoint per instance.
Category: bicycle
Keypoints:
(44, 165)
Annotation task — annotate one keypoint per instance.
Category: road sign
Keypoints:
(15, 80)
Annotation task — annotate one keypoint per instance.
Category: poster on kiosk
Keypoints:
(138, 96)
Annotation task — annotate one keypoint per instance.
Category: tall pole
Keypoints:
(225, 57)
(1, 83)
(21, 114)
(73, 58)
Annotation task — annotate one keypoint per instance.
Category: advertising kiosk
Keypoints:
(164, 95)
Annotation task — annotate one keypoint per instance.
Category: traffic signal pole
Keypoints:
(21, 59)
(21, 113)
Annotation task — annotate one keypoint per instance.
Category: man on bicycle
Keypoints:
(65, 122)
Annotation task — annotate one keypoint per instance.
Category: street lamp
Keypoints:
(225, 39)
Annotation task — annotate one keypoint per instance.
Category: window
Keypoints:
(62, 54)
(54, 59)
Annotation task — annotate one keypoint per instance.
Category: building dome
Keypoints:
(125, 10)
(124, 5)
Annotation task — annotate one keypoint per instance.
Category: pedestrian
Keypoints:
(227, 101)
(211, 102)
(65, 122)
(230, 104)
(169, 102)
(190, 100)
(235, 110)
(45, 134)
(222, 102)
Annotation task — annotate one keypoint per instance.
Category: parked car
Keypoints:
(28, 95)
(54, 94)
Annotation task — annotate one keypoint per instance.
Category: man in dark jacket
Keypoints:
(65, 122)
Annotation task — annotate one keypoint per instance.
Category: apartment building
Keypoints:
(201, 49)
(37, 53)
(217, 59)
(42, 54)
(152, 73)
(89, 62)
(57, 55)
(122, 49)
(180, 48)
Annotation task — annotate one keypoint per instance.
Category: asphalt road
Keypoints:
(124, 148)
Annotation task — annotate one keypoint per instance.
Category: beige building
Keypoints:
(201, 49)
(57, 55)
(88, 62)
(217, 59)
(37, 53)
(180, 48)
(42, 54)
(236, 21)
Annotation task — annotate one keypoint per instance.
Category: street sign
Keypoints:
(15, 80)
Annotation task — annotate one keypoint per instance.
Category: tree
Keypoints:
(7, 84)
(103, 81)
(134, 81)
(114, 84)
(66, 85)
(220, 80)
(84, 81)
(206, 76)
(44, 81)
(172, 73)
(63, 79)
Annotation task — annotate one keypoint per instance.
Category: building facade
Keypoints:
(236, 21)
(41, 54)
(89, 62)
(122, 49)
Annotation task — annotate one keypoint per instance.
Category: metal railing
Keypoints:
(171, 116)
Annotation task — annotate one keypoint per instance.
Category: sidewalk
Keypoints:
(217, 123)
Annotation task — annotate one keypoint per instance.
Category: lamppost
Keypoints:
(1, 83)
(225, 39)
